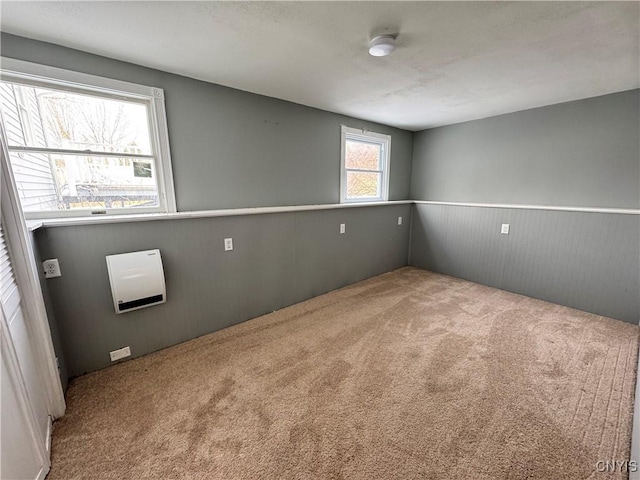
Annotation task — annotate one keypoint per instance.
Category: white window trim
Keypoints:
(12, 70)
(365, 135)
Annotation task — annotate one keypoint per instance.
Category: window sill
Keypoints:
(33, 225)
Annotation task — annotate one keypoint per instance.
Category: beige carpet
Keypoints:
(409, 375)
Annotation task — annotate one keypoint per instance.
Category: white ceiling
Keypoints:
(455, 61)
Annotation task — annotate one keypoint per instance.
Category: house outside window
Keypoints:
(364, 166)
(81, 145)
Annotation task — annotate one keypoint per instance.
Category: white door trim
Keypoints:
(10, 359)
(27, 277)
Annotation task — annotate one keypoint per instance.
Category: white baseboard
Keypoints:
(47, 466)
(635, 437)
(42, 473)
(49, 433)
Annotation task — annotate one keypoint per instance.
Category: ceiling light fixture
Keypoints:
(382, 45)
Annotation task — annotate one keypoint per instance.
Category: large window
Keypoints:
(365, 166)
(82, 145)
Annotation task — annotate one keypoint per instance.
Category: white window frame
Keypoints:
(26, 73)
(348, 133)
(25, 120)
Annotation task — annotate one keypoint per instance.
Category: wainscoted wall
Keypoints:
(278, 259)
(229, 149)
(233, 149)
(589, 261)
(582, 154)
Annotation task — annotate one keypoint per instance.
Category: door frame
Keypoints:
(27, 273)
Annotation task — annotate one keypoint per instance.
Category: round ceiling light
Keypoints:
(382, 45)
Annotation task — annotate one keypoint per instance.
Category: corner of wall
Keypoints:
(53, 324)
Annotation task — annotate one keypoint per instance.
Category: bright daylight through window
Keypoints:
(365, 166)
(77, 148)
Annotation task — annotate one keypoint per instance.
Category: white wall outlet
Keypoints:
(505, 229)
(343, 228)
(399, 220)
(228, 244)
(51, 268)
(120, 353)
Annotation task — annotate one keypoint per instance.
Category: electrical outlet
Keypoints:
(51, 268)
(343, 228)
(505, 229)
(120, 353)
(228, 244)
(399, 220)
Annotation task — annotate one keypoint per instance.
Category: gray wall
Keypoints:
(278, 260)
(588, 261)
(584, 153)
(235, 149)
(229, 149)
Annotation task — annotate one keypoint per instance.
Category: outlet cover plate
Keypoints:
(51, 268)
(120, 353)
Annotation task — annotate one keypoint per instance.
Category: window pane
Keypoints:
(362, 155)
(66, 182)
(363, 185)
(38, 117)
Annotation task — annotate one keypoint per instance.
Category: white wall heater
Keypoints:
(137, 280)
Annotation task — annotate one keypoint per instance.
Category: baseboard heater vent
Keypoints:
(143, 302)
(137, 280)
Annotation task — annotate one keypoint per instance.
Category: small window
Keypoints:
(365, 166)
(80, 144)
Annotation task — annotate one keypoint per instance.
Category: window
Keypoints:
(365, 166)
(80, 144)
